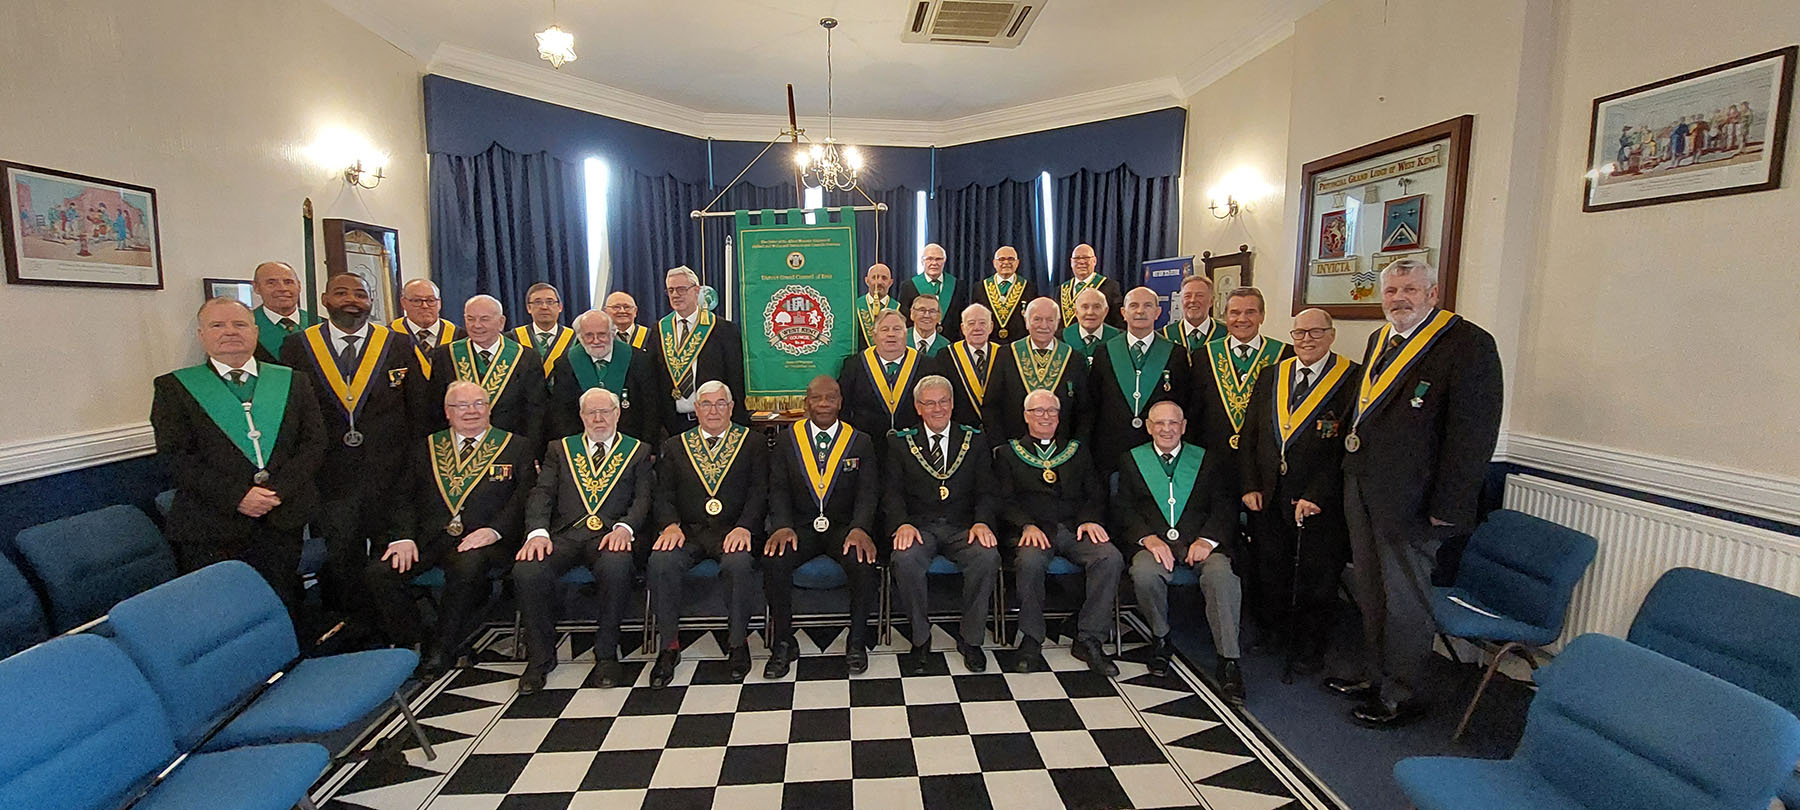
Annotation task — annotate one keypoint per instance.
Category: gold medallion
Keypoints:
(261, 477)
(1049, 476)
(1234, 441)
(455, 527)
(1352, 442)
(713, 506)
(594, 523)
(1003, 335)
(943, 493)
(1284, 466)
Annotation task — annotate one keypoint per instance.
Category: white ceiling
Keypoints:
(725, 58)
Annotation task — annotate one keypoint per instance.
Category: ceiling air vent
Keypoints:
(992, 23)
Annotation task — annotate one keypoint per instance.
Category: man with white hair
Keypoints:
(420, 305)
(694, 347)
(599, 361)
(622, 308)
(277, 286)
(484, 357)
(970, 363)
(1032, 361)
(1417, 446)
(932, 279)
(1084, 276)
(1092, 325)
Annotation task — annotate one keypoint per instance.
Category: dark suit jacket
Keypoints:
(644, 401)
(968, 411)
(1211, 511)
(1115, 302)
(910, 494)
(950, 326)
(722, 359)
(520, 408)
(681, 498)
(1112, 406)
(211, 475)
(556, 506)
(1315, 458)
(1429, 461)
(863, 405)
(1003, 415)
(392, 419)
(853, 498)
(1012, 328)
(1208, 425)
(497, 503)
(1077, 497)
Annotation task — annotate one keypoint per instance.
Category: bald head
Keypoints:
(1141, 311)
(879, 279)
(1006, 261)
(1313, 335)
(1082, 261)
(420, 303)
(622, 308)
(483, 319)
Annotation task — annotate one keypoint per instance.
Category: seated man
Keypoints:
(710, 500)
(465, 494)
(590, 500)
(822, 496)
(1175, 500)
(1053, 497)
(938, 497)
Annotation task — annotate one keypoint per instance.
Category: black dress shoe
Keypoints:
(777, 666)
(1029, 656)
(1160, 653)
(1378, 713)
(532, 682)
(1231, 681)
(916, 660)
(740, 663)
(972, 656)
(1090, 651)
(1358, 690)
(664, 671)
(856, 659)
(607, 674)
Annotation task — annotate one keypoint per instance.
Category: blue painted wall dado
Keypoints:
(28, 503)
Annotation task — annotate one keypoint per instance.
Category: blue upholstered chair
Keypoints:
(165, 502)
(1615, 725)
(1739, 631)
(207, 642)
(21, 613)
(91, 735)
(1512, 591)
(90, 561)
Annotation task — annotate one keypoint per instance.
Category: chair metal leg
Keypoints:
(413, 723)
(1118, 638)
(885, 598)
(1450, 648)
(518, 650)
(1000, 607)
(649, 631)
(1482, 687)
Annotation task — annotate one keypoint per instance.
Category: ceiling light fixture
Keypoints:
(555, 45)
(829, 165)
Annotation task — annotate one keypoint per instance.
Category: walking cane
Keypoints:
(1293, 621)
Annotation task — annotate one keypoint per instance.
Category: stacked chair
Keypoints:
(88, 562)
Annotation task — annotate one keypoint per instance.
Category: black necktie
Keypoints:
(346, 359)
(237, 377)
(287, 324)
(1090, 340)
(1301, 388)
(487, 357)
(934, 453)
(981, 362)
(712, 443)
(681, 332)
(424, 340)
(923, 343)
(1387, 354)
(1041, 353)
(1243, 352)
(468, 446)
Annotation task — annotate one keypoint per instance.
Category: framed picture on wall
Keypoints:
(370, 251)
(1228, 272)
(235, 289)
(71, 229)
(1401, 197)
(1713, 132)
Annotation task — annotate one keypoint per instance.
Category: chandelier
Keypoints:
(829, 165)
(555, 45)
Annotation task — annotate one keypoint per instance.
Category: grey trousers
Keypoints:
(736, 572)
(1102, 564)
(536, 583)
(1393, 559)
(978, 567)
(1219, 586)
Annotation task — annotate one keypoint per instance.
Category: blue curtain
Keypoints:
(1127, 219)
(650, 231)
(975, 220)
(890, 237)
(502, 221)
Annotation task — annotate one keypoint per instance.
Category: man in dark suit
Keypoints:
(1005, 293)
(952, 295)
(598, 360)
(1037, 360)
(710, 500)
(969, 363)
(243, 442)
(464, 512)
(1291, 474)
(823, 490)
(622, 309)
(1082, 263)
(1175, 501)
(693, 347)
(591, 499)
(545, 333)
(924, 335)
(1090, 328)
(372, 403)
(1426, 420)
(277, 286)
(482, 356)
(1134, 370)
(420, 302)
(871, 304)
(939, 500)
(1053, 498)
(877, 382)
(1225, 373)
(1196, 327)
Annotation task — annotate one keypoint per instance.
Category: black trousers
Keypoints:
(667, 569)
(1298, 585)
(274, 553)
(466, 590)
(346, 524)
(778, 584)
(535, 582)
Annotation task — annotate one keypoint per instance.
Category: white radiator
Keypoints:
(1639, 541)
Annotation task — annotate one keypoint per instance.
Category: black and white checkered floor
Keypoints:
(822, 739)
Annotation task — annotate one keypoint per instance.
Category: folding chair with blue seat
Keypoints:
(822, 573)
(578, 576)
(1512, 589)
(21, 613)
(88, 562)
(92, 735)
(704, 569)
(1060, 567)
(207, 641)
(1615, 725)
(1739, 631)
(940, 566)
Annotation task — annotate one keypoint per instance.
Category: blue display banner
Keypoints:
(1164, 276)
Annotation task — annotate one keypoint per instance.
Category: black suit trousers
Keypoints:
(778, 583)
(466, 591)
(536, 584)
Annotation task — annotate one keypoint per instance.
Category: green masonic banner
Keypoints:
(797, 285)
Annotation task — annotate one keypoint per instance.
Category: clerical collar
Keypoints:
(274, 317)
(1255, 345)
(1043, 442)
(414, 328)
(338, 335)
(249, 367)
(477, 437)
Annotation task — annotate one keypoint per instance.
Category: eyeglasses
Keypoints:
(1007, 260)
(542, 302)
(678, 290)
(714, 406)
(599, 411)
(465, 406)
(422, 301)
(619, 307)
(1316, 334)
(1043, 411)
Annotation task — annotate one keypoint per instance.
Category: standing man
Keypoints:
(694, 347)
(278, 287)
(924, 335)
(1090, 328)
(1292, 479)
(545, 333)
(952, 296)
(1196, 327)
(1052, 496)
(711, 494)
(371, 402)
(1221, 392)
(1135, 369)
(1038, 360)
(939, 499)
(1081, 264)
(1426, 418)
(877, 382)
(463, 514)
(499, 366)
(870, 306)
(1175, 500)
(972, 360)
(590, 501)
(823, 491)
(622, 308)
(420, 304)
(598, 361)
(1005, 293)
(243, 442)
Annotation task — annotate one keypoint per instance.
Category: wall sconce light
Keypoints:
(1230, 206)
(361, 177)
(1236, 193)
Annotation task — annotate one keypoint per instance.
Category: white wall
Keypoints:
(213, 103)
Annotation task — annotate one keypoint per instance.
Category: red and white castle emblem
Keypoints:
(798, 320)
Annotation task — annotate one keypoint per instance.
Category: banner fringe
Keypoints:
(776, 404)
